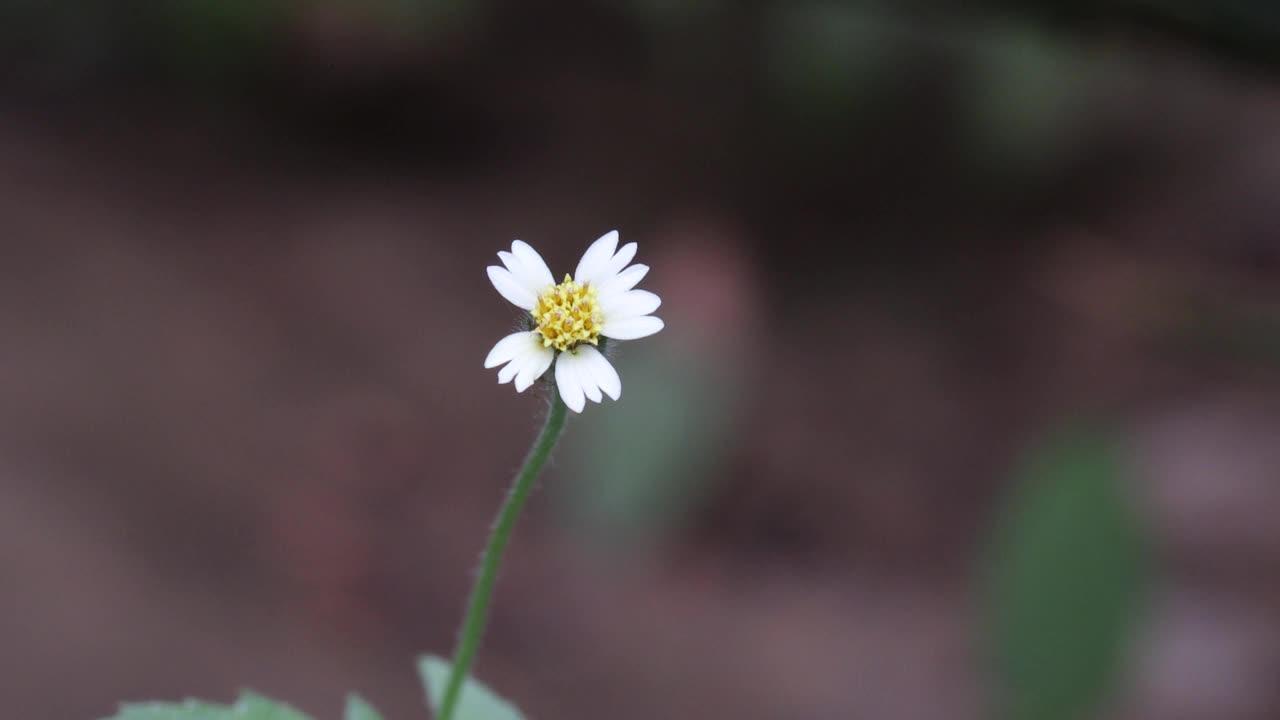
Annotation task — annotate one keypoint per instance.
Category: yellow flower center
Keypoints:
(567, 314)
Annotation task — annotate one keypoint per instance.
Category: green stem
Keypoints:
(482, 592)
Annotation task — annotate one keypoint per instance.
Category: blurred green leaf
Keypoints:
(1066, 580)
(646, 462)
(1218, 328)
(249, 707)
(188, 710)
(1027, 89)
(208, 40)
(477, 701)
(824, 59)
(358, 709)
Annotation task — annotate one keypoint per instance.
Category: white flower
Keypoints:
(570, 318)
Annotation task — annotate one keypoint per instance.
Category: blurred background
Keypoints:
(967, 405)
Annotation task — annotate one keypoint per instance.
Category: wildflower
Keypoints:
(568, 320)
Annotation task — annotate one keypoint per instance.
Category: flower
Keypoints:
(568, 319)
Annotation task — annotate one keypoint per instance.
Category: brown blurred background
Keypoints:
(246, 439)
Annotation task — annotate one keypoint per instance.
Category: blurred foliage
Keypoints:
(249, 707)
(823, 59)
(203, 45)
(477, 702)
(1244, 335)
(1066, 581)
(204, 39)
(358, 709)
(1026, 86)
(643, 465)
(842, 91)
(200, 42)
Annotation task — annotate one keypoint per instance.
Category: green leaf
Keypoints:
(255, 706)
(477, 702)
(1066, 579)
(187, 710)
(358, 709)
(249, 707)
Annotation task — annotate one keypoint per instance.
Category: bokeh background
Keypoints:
(967, 405)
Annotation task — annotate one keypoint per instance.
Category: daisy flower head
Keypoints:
(568, 320)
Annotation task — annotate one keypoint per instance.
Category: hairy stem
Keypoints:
(482, 592)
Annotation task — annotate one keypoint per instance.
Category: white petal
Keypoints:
(601, 371)
(567, 383)
(632, 328)
(596, 257)
(632, 303)
(509, 347)
(511, 262)
(536, 269)
(508, 373)
(518, 271)
(534, 366)
(615, 264)
(621, 282)
(579, 363)
(510, 288)
(589, 385)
